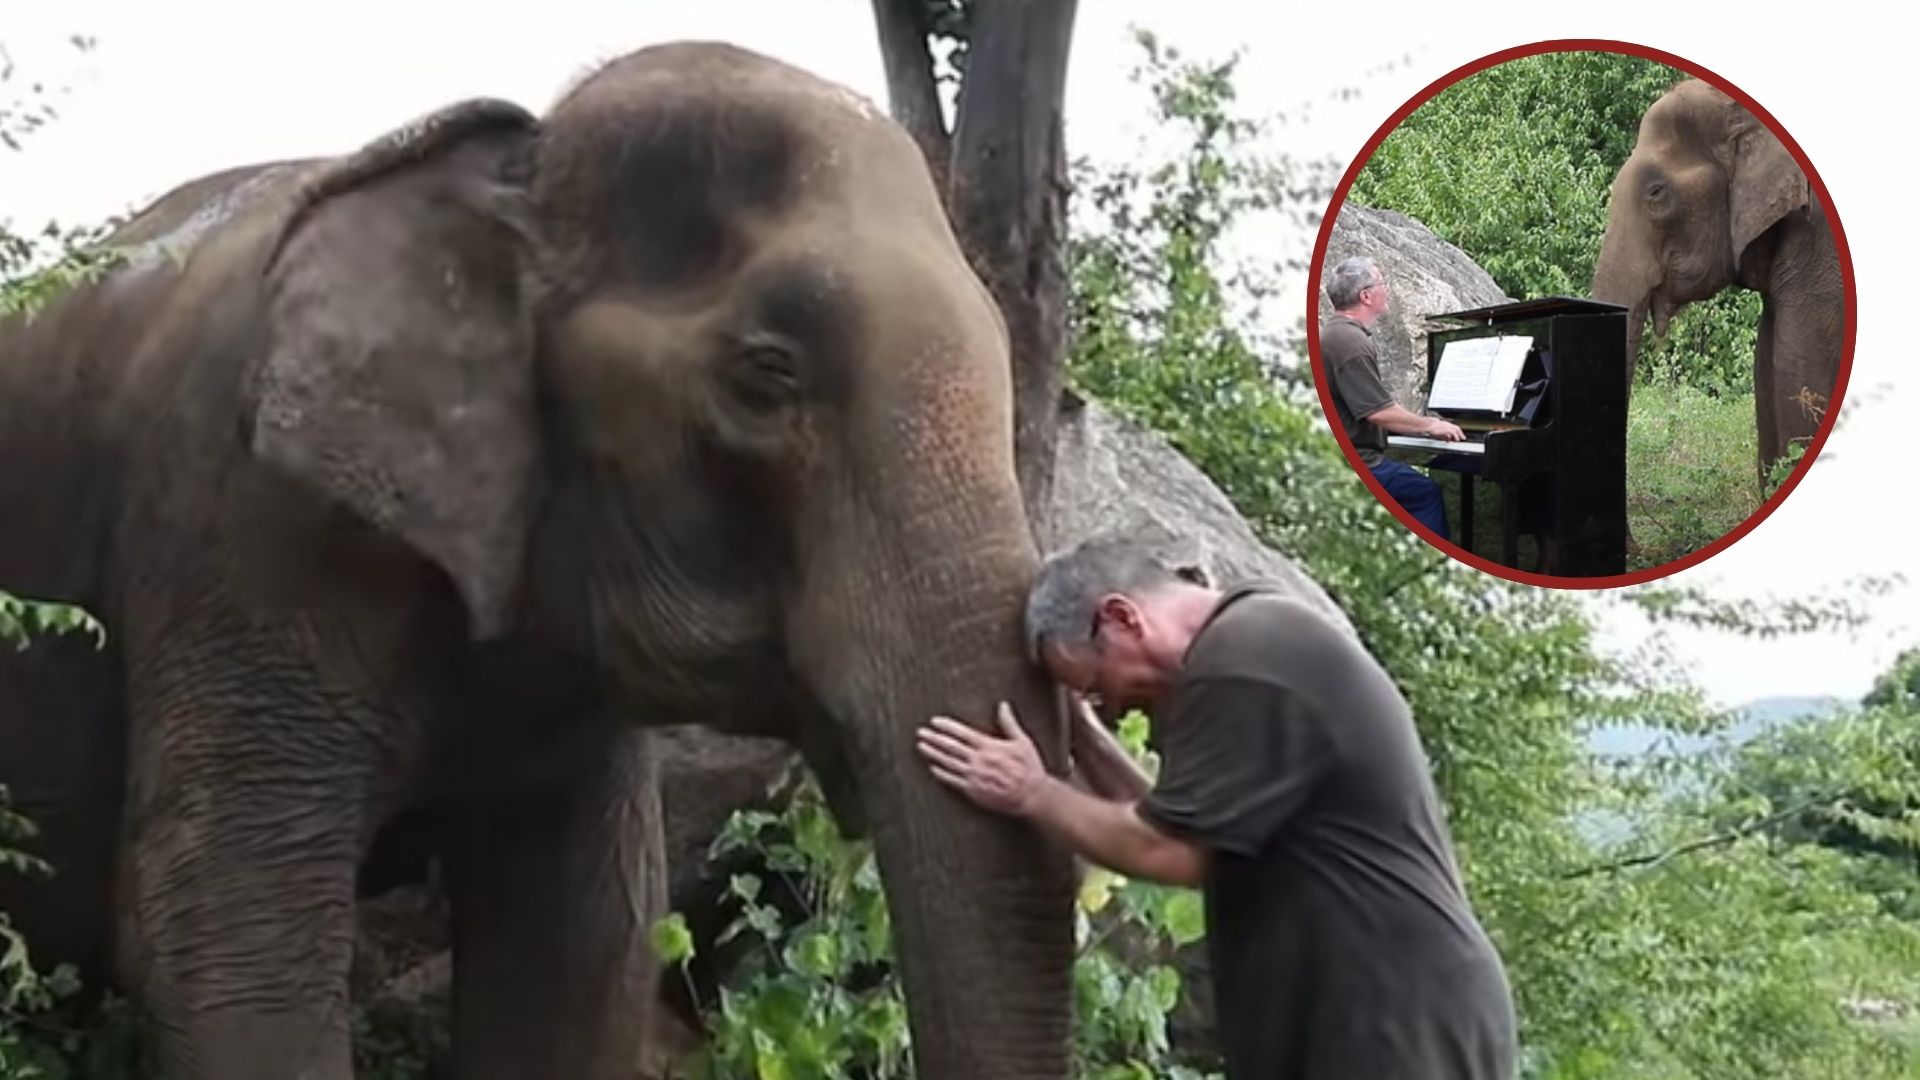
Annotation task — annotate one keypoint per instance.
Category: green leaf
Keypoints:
(672, 941)
(745, 886)
(1186, 917)
(818, 954)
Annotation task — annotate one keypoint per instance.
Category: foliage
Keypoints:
(1708, 346)
(23, 620)
(1691, 456)
(1276, 198)
(38, 1010)
(1777, 474)
(25, 289)
(1849, 782)
(392, 1041)
(816, 993)
(23, 114)
(815, 997)
(27, 995)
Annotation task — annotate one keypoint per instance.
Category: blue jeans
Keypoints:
(1416, 491)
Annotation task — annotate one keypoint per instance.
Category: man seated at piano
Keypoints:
(1358, 292)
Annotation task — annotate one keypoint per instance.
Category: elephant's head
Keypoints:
(690, 381)
(1706, 180)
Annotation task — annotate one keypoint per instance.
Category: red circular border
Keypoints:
(1637, 577)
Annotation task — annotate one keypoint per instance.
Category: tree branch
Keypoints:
(1008, 201)
(912, 95)
(1720, 840)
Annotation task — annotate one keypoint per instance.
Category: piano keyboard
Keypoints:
(1467, 446)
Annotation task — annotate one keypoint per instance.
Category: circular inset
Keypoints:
(1478, 301)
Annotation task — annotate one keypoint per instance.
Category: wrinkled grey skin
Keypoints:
(395, 477)
(1710, 200)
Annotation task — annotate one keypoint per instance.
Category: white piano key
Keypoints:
(1418, 443)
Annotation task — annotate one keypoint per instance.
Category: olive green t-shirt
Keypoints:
(1353, 367)
(1341, 940)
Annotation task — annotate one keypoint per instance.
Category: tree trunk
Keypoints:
(1006, 185)
(913, 96)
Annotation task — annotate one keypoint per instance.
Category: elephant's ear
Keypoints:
(398, 379)
(1767, 183)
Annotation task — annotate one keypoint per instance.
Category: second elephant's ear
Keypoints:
(398, 379)
(1767, 183)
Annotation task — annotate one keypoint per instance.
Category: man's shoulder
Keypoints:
(1346, 324)
(1256, 630)
(1342, 338)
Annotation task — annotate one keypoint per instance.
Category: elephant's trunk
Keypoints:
(981, 904)
(983, 929)
(1636, 326)
(1615, 282)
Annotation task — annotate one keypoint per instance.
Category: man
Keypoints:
(1358, 293)
(1293, 789)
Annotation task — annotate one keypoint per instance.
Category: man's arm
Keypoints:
(1110, 772)
(1005, 775)
(1356, 380)
(1114, 835)
(1398, 420)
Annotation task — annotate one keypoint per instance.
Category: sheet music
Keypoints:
(1479, 373)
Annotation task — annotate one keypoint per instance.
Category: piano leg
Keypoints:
(1510, 525)
(1466, 511)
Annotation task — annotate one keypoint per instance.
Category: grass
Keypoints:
(1690, 470)
(1690, 477)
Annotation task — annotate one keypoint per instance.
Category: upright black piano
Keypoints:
(1550, 428)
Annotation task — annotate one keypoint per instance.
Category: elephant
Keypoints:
(1710, 199)
(416, 486)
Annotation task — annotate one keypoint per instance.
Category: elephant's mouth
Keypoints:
(1663, 310)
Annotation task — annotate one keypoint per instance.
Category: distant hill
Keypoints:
(1754, 717)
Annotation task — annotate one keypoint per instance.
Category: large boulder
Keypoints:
(1112, 476)
(1425, 275)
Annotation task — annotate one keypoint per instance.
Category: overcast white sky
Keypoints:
(181, 88)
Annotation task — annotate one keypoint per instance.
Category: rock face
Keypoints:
(1425, 276)
(704, 778)
(1113, 476)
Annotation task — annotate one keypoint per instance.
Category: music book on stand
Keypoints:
(1479, 374)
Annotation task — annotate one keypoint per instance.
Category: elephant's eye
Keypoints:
(1656, 191)
(765, 376)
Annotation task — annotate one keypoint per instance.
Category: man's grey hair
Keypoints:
(1348, 278)
(1061, 604)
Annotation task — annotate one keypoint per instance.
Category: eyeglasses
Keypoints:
(1092, 696)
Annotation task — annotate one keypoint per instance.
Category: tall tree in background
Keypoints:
(1002, 168)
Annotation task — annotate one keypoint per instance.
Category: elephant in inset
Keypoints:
(413, 485)
(1711, 199)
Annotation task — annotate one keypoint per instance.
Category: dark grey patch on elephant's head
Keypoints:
(646, 173)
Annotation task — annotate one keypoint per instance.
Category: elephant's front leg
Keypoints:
(249, 793)
(1768, 406)
(554, 891)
